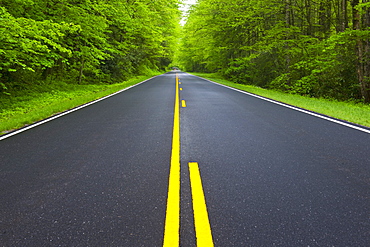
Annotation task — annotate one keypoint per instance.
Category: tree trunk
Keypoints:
(324, 18)
(345, 15)
(81, 71)
(308, 17)
(365, 85)
(362, 49)
(288, 25)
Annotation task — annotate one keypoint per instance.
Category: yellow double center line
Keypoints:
(172, 223)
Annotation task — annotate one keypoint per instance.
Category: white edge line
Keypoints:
(67, 112)
(293, 107)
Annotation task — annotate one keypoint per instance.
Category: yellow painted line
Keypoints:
(202, 227)
(172, 223)
(183, 103)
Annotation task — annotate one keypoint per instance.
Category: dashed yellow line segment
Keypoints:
(172, 223)
(202, 227)
(183, 103)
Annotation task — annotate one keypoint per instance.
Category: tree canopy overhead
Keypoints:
(318, 48)
(86, 40)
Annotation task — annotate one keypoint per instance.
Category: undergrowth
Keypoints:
(354, 112)
(36, 102)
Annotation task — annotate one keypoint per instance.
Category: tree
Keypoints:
(85, 40)
(361, 24)
(301, 46)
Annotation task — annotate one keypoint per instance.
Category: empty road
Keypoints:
(270, 175)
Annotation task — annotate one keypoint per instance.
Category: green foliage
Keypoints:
(40, 101)
(313, 48)
(352, 111)
(95, 41)
(31, 45)
(54, 52)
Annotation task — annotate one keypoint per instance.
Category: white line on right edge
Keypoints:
(294, 108)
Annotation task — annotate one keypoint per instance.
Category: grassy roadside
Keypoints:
(39, 102)
(352, 112)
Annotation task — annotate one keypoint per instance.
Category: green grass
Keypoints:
(358, 113)
(29, 105)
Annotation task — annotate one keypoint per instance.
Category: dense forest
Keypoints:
(318, 48)
(84, 41)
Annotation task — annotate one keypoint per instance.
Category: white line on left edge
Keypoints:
(66, 112)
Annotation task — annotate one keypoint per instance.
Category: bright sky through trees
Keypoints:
(184, 8)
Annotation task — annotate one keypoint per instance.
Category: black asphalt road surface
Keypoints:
(272, 176)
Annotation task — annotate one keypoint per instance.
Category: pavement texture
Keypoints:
(271, 176)
(274, 176)
(95, 177)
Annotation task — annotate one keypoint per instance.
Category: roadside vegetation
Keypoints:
(57, 54)
(42, 101)
(351, 111)
(315, 48)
